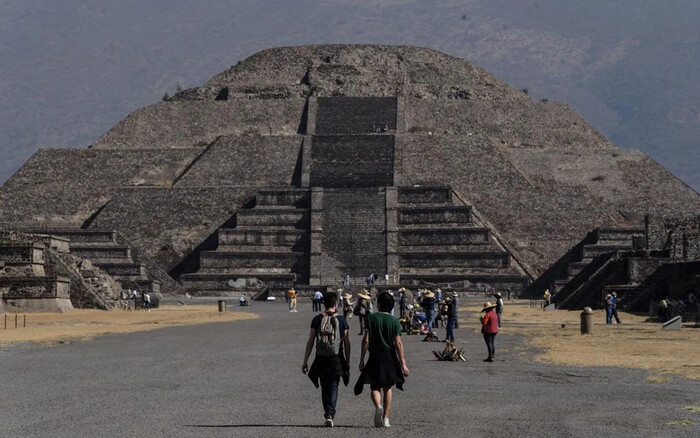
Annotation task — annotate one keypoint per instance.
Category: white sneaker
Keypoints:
(329, 422)
(386, 422)
(378, 413)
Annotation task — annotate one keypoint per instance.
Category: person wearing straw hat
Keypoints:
(347, 305)
(489, 328)
(428, 305)
(499, 306)
(451, 316)
(363, 309)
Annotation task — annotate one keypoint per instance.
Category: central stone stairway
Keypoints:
(268, 245)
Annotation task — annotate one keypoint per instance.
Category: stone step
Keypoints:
(262, 236)
(122, 269)
(473, 248)
(227, 282)
(257, 260)
(444, 236)
(592, 251)
(78, 234)
(500, 281)
(618, 234)
(264, 249)
(269, 216)
(424, 195)
(454, 259)
(101, 251)
(573, 269)
(284, 196)
(439, 214)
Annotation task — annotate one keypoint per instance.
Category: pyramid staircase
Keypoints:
(269, 244)
(440, 241)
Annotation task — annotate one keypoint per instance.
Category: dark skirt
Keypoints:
(383, 369)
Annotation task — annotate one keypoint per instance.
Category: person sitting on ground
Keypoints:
(386, 366)
(330, 333)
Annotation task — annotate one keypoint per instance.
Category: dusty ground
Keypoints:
(634, 343)
(82, 324)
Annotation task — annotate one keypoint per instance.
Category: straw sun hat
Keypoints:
(364, 294)
(488, 306)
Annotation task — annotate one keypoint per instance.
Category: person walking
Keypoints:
(146, 301)
(489, 328)
(451, 314)
(363, 309)
(455, 303)
(292, 300)
(428, 305)
(386, 366)
(329, 331)
(402, 302)
(317, 300)
(547, 298)
(347, 306)
(611, 308)
(499, 307)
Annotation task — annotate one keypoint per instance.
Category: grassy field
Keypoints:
(83, 324)
(633, 344)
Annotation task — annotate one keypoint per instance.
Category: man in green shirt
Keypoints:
(386, 366)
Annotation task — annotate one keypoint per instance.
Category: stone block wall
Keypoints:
(197, 123)
(354, 115)
(166, 224)
(68, 186)
(543, 219)
(246, 160)
(352, 161)
(354, 239)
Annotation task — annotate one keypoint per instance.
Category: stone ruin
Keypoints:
(301, 165)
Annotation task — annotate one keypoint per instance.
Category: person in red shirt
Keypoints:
(489, 327)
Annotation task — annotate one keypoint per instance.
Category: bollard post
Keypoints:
(16, 315)
(587, 321)
(222, 306)
(25, 321)
(5, 322)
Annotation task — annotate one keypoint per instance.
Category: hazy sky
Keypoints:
(71, 69)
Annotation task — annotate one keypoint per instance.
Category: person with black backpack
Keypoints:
(329, 331)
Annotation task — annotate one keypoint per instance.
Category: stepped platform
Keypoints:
(273, 216)
(424, 195)
(444, 235)
(263, 260)
(78, 234)
(434, 214)
(494, 279)
(119, 270)
(592, 251)
(623, 235)
(200, 282)
(283, 197)
(273, 236)
(453, 259)
(98, 252)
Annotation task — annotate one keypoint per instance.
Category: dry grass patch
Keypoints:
(657, 379)
(82, 324)
(693, 409)
(633, 344)
(683, 422)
